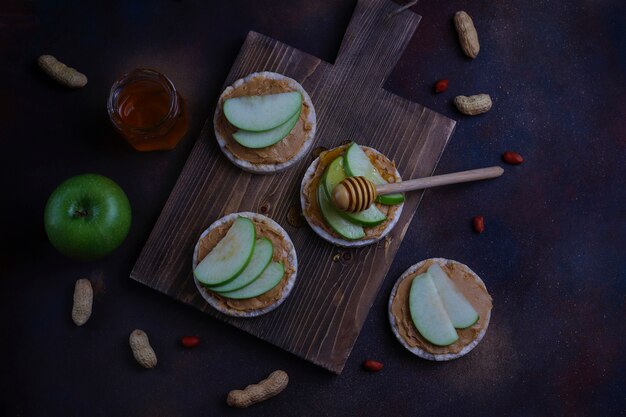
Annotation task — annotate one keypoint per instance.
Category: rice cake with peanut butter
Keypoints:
(285, 152)
(283, 251)
(310, 205)
(472, 288)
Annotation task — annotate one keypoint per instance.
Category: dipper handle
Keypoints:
(356, 194)
(437, 180)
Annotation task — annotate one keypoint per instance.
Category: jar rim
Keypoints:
(133, 76)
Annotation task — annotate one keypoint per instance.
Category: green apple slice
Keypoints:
(230, 256)
(268, 280)
(428, 314)
(461, 313)
(256, 140)
(261, 257)
(333, 175)
(358, 164)
(343, 227)
(259, 113)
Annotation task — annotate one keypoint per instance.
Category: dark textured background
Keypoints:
(553, 254)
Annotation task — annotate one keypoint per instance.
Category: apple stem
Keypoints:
(81, 213)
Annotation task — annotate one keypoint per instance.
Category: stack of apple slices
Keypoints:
(353, 163)
(438, 308)
(240, 266)
(263, 120)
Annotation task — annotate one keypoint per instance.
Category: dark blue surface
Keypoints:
(553, 254)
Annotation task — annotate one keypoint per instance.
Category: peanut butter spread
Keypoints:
(475, 292)
(281, 254)
(281, 151)
(384, 166)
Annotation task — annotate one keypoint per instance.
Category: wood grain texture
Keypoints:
(328, 306)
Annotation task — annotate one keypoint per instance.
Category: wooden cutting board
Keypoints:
(322, 318)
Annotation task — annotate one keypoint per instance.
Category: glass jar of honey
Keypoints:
(147, 111)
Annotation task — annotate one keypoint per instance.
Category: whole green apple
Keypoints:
(87, 216)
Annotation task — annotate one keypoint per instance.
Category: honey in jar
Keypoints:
(147, 111)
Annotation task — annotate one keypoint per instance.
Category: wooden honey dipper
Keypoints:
(356, 194)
